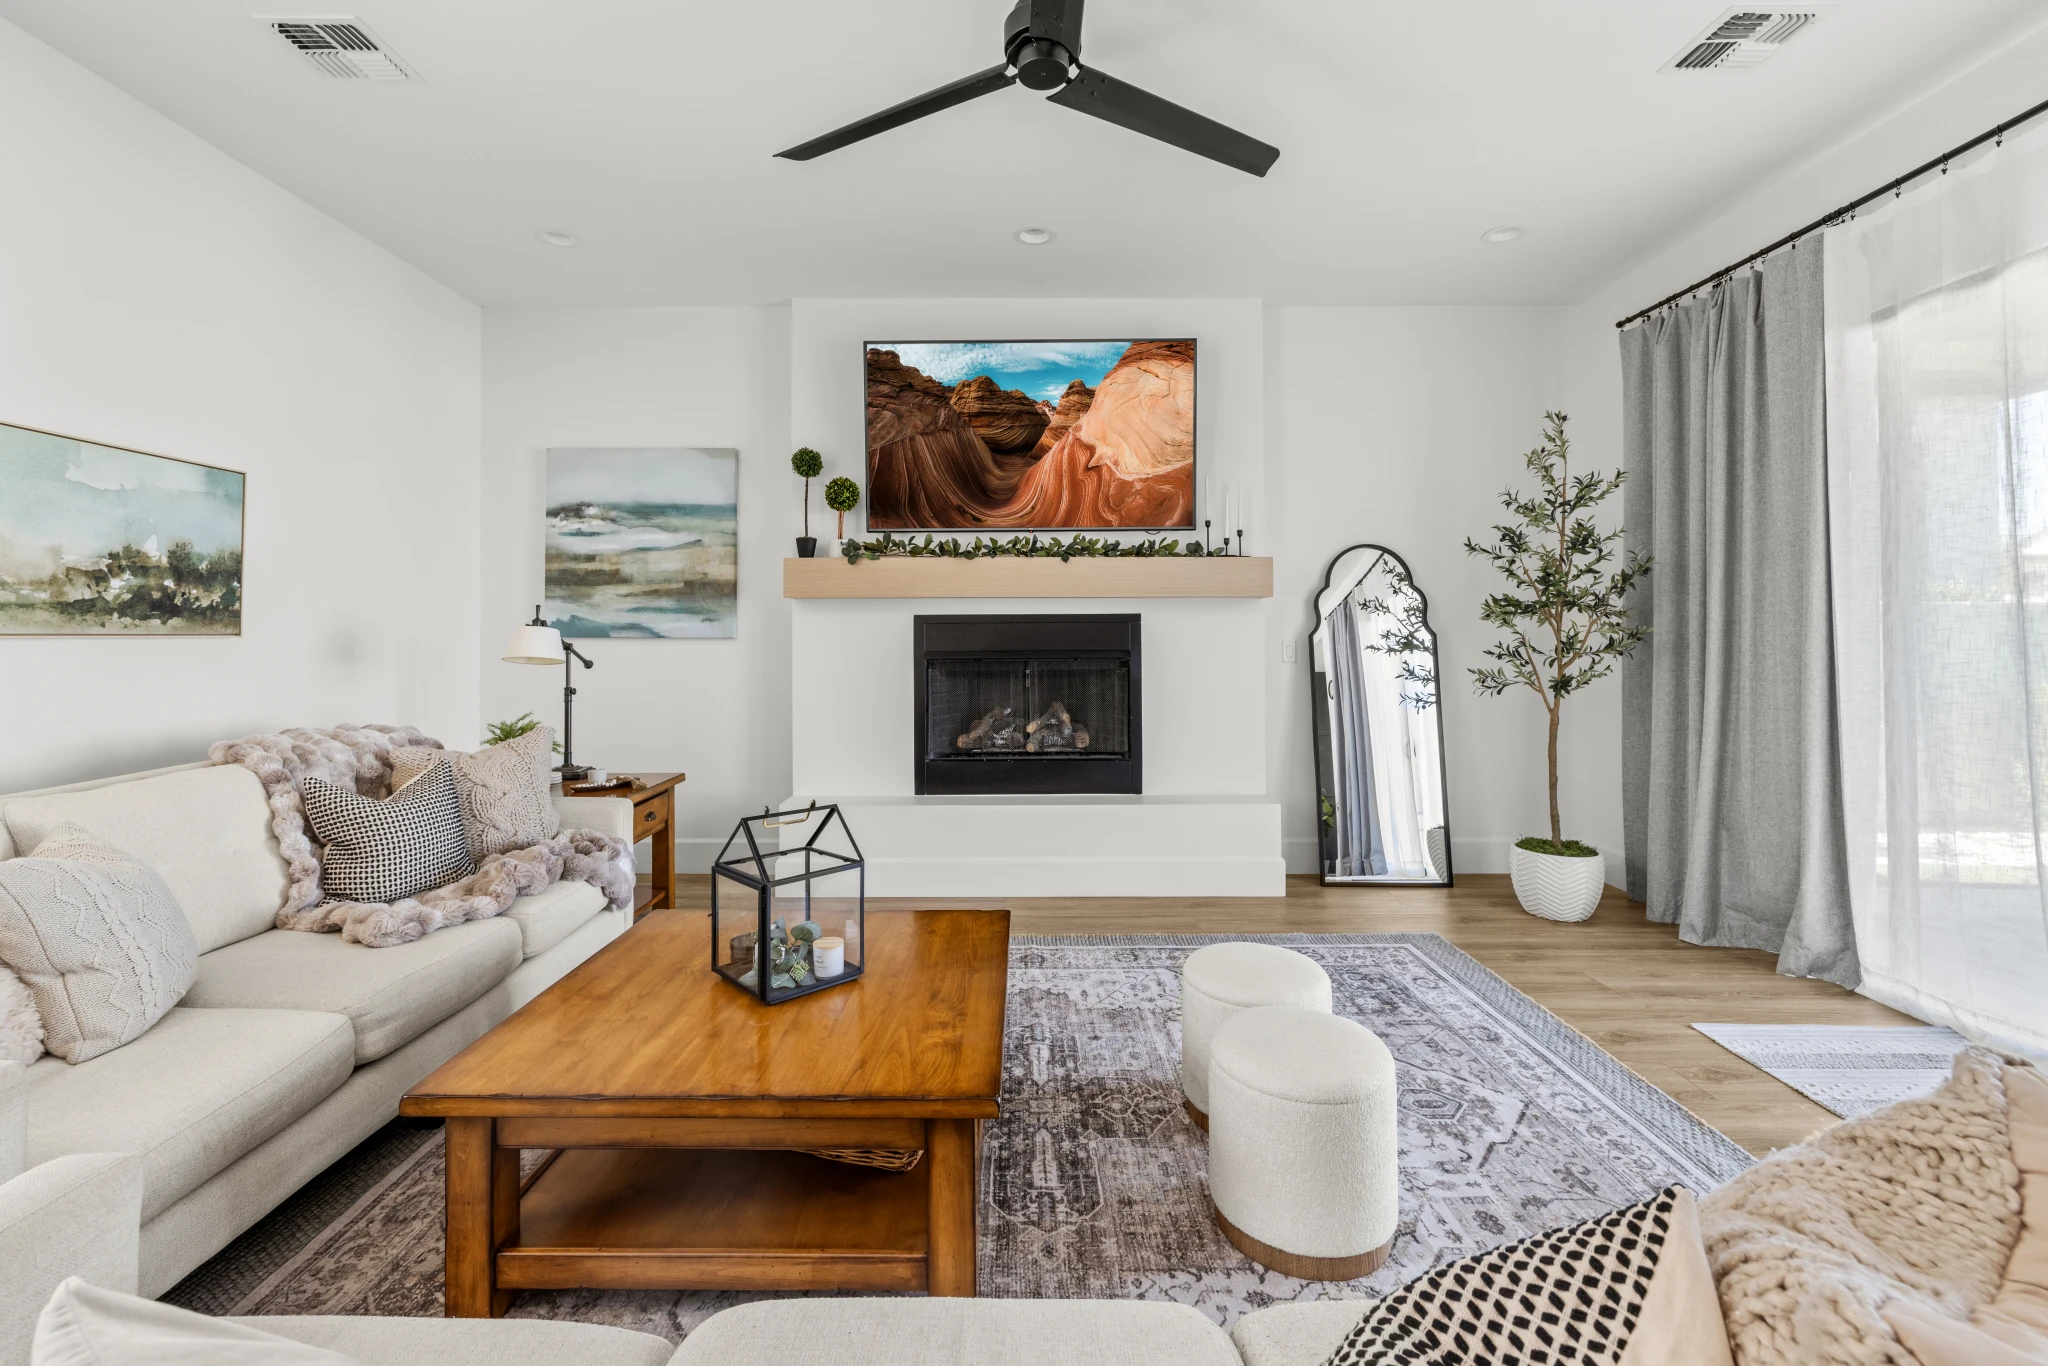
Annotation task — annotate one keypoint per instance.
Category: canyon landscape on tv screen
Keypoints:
(1031, 435)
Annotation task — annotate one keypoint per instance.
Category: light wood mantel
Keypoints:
(1004, 576)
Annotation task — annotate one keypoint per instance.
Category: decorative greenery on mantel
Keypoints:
(1023, 547)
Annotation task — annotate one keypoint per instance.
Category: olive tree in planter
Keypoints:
(1565, 624)
(810, 465)
(842, 495)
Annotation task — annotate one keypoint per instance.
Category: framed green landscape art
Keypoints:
(97, 541)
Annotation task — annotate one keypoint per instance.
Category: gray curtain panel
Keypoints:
(1359, 851)
(1730, 785)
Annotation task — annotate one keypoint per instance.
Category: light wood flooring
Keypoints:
(1627, 984)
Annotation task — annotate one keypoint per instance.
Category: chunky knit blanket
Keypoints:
(1917, 1204)
(359, 757)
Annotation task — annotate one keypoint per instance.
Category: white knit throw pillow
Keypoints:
(504, 789)
(97, 938)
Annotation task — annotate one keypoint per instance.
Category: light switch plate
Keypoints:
(1287, 651)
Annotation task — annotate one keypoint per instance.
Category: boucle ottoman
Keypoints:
(1302, 1150)
(1218, 981)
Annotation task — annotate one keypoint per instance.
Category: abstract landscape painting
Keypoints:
(643, 542)
(96, 540)
(1030, 435)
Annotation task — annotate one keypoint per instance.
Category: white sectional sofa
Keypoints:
(78, 1215)
(133, 1168)
(290, 1048)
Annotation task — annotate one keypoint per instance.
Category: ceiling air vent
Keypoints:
(339, 47)
(1743, 38)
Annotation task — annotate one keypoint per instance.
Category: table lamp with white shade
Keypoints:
(539, 643)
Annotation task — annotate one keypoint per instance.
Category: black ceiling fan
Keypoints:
(1042, 50)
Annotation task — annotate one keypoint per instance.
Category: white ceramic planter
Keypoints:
(1554, 886)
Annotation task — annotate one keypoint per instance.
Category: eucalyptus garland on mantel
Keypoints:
(1025, 547)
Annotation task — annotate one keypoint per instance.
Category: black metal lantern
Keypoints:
(792, 919)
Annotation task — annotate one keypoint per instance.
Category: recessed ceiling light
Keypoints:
(1507, 232)
(1034, 237)
(555, 237)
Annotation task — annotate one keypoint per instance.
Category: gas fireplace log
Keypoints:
(1064, 737)
(983, 730)
(1056, 714)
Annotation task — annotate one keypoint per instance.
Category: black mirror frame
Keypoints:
(1320, 740)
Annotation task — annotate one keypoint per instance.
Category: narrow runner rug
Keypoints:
(1850, 1069)
(1094, 1182)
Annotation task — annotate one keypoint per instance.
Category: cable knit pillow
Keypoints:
(1629, 1288)
(377, 852)
(98, 940)
(504, 790)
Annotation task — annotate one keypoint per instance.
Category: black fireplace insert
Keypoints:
(1028, 704)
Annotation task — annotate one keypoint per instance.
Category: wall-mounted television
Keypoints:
(1006, 436)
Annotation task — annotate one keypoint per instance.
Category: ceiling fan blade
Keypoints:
(1112, 100)
(895, 116)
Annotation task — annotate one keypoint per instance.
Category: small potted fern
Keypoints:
(1565, 624)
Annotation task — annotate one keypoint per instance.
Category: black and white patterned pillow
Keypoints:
(380, 852)
(1570, 1296)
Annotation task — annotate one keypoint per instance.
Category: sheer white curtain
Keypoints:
(1937, 311)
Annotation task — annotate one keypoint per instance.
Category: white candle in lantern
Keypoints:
(828, 956)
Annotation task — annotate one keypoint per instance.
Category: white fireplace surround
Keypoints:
(1204, 826)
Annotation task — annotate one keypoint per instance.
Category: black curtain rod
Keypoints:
(1890, 187)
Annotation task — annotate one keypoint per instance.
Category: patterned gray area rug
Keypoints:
(1094, 1182)
(1850, 1069)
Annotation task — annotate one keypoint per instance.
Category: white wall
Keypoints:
(717, 710)
(157, 295)
(1400, 427)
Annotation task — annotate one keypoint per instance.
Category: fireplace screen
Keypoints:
(1027, 704)
(1053, 708)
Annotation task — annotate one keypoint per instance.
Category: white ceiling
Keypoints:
(647, 127)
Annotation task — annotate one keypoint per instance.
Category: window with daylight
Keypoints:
(1938, 488)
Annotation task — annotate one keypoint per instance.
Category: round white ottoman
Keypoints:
(1302, 1149)
(1218, 981)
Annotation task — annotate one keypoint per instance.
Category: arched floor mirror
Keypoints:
(1380, 801)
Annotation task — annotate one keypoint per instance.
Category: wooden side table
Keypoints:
(654, 817)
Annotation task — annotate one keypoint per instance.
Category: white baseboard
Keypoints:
(1107, 875)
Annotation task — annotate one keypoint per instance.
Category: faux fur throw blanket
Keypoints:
(1917, 1203)
(359, 757)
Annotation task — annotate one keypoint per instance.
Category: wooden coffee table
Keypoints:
(674, 1101)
